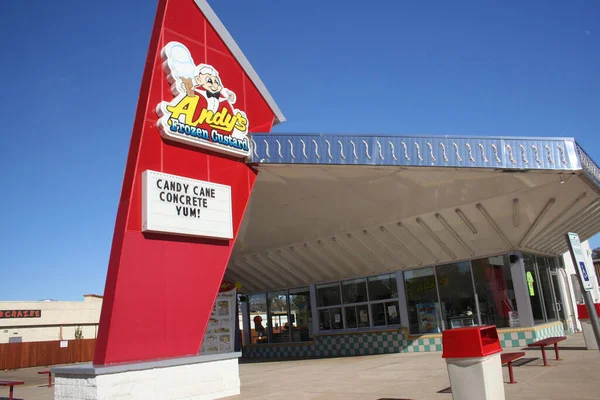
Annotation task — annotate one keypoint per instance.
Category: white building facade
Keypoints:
(46, 320)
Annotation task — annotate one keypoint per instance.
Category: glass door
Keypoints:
(558, 297)
(533, 287)
(548, 295)
(278, 311)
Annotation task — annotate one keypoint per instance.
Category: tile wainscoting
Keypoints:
(387, 341)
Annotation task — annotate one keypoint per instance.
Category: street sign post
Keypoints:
(584, 278)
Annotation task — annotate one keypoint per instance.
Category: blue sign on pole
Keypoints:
(584, 272)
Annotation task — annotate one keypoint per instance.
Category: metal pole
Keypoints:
(589, 303)
(575, 250)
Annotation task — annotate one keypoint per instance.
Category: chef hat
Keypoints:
(203, 69)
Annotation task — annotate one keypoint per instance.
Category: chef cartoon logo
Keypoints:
(203, 112)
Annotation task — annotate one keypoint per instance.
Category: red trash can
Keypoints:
(473, 359)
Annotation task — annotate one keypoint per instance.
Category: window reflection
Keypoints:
(354, 291)
(549, 299)
(287, 318)
(300, 314)
(456, 295)
(366, 302)
(258, 318)
(328, 295)
(422, 301)
(495, 292)
(383, 287)
(278, 317)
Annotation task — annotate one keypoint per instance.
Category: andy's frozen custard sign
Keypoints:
(202, 113)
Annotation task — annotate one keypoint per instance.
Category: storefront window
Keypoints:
(354, 291)
(300, 314)
(328, 295)
(456, 295)
(366, 302)
(330, 318)
(258, 318)
(386, 313)
(278, 317)
(287, 318)
(495, 292)
(383, 287)
(422, 301)
(533, 288)
(357, 316)
(324, 320)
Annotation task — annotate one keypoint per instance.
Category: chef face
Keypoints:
(209, 82)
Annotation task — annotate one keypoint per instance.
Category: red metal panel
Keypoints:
(160, 288)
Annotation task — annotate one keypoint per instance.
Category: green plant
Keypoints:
(78, 333)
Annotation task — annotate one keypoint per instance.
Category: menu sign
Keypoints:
(220, 332)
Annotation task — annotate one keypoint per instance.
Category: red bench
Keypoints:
(508, 358)
(11, 384)
(547, 342)
(49, 376)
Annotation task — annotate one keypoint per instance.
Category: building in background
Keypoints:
(45, 320)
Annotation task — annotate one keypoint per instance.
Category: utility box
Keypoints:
(473, 359)
(586, 325)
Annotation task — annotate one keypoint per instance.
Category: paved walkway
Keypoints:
(413, 376)
(419, 376)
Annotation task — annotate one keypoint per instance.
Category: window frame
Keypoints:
(368, 303)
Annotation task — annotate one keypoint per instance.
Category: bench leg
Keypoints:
(50, 379)
(510, 373)
(544, 356)
(10, 392)
(556, 350)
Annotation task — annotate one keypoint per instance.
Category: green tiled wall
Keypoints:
(382, 343)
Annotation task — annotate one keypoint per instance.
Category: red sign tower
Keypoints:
(160, 288)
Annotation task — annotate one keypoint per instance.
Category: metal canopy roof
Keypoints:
(330, 207)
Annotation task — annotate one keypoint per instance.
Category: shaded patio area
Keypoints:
(418, 376)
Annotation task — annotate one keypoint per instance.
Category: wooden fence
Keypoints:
(38, 354)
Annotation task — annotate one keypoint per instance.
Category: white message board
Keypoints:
(179, 205)
(579, 261)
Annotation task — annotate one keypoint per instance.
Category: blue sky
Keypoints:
(72, 70)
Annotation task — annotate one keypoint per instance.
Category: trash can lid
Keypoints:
(470, 342)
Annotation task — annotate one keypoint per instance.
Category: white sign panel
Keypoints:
(579, 261)
(179, 205)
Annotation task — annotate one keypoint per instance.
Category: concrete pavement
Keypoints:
(414, 376)
(420, 376)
